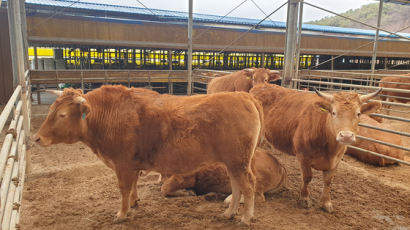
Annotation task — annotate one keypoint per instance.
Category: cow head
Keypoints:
(65, 120)
(262, 75)
(345, 109)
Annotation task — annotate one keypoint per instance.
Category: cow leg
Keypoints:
(236, 196)
(126, 178)
(245, 183)
(134, 193)
(325, 200)
(304, 200)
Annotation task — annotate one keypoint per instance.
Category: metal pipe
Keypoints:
(355, 86)
(376, 38)
(290, 42)
(385, 130)
(190, 22)
(298, 40)
(12, 187)
(7, 109)
(5, 183)
(383, 143)
(380, 155)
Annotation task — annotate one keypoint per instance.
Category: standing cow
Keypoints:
(242, 80)
(397, 83)
(315, 128)
(137, 129)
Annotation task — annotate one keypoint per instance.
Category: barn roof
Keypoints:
(115, 12)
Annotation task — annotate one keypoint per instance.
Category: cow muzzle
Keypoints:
(38, 139)
(346, 137)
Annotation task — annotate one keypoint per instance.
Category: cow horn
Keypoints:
(55, 92)
(273, 71)
(79, 100)
(250, 70)
(366, 97)
(326, 96)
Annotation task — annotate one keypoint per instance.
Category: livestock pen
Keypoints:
(68, 187)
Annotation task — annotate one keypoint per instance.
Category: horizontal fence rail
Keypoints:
(13, 156)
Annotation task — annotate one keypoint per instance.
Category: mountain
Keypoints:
(395, 17)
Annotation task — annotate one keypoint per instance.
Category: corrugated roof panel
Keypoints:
(204, 18)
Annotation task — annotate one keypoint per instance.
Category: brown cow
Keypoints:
(397, 83)
(242, 80)
(137, 129)
(269, 173)
(375, 147)
(315, 128)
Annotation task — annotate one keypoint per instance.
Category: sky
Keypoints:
(246, 10)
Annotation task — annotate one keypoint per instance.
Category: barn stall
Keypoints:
(68, 187)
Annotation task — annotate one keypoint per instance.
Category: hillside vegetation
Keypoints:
(394, 17)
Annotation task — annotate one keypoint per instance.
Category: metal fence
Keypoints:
(13, 158)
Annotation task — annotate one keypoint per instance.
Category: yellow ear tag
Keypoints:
(323, 109)
(249, 78)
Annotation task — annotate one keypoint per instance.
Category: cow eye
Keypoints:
(358, 114)
(333, 113)
(62, 115)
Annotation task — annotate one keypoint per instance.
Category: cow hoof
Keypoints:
(228, 215)
(120, 218)
(305, 203)
(135, 203)
(327, 207)
(247, 221)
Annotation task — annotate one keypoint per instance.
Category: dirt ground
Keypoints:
(69, 188)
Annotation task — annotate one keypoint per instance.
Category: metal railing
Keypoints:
(13, 158)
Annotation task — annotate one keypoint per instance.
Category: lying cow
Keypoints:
(270, 175)
(138, 129)
(242, 80)
(375, 147)
(397, 83)
(315, 128)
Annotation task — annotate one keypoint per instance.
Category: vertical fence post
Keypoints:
(189, 88)
(291, 39)
(16, 31)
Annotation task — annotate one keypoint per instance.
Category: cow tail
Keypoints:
(259, 107)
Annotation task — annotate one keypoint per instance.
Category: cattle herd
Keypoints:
(213, 142)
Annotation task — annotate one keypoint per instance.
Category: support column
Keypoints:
(263, 60)
(291, 39)
(170, 83)
(35, 58)
(189, 88)
(16, 31)
(376, 38)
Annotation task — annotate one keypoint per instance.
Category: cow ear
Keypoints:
(249, 72)
(324, 106)
(370, 107)
(85, 108)
(274, 75)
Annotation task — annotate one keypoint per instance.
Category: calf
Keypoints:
(315, 128)
(269, 173)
